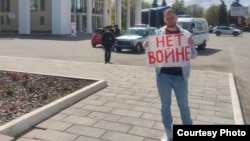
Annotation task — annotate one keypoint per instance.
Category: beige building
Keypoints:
(58, 16)
(52, 16)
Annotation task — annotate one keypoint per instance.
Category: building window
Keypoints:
(73, 5)
(42, 6)
(42, 22)
(2, 20)
(5, 5)
(8, 20)
(97, 7)
(78, 6)
(37, 5)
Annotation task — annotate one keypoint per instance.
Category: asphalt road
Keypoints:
(224, 54)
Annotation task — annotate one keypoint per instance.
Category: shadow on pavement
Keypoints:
(207, 51)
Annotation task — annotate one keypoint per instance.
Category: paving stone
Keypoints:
(151, 116)
(146, 109)
(111, 99)
(97, 108)
(126, 112)
(116, 136)
(146, 132)
(215, 120)
(114, 126)
(93, 102)
(137, 102)
(118, 105)
(52, 124)
(50, 135)
(104, 116)
(84, 138)
(137, 121)
(147, 139)
(158, 125)
(27, 139)
(79, 120)
(86, 131)
(59, 116)
(76, 111)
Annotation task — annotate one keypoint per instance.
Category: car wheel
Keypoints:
(93, 45)
(217, 33)
(235, 33)
(138, 48)
(202, 46)
(118, 49)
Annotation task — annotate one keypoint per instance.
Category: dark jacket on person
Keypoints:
(108, 39)
(117, 32)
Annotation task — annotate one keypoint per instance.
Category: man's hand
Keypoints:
(190, 41)
(145, 44)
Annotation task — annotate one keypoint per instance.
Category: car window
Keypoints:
(204, 25)
(232, 28)
(184, 25)
(225, 28)
(151, 32)
(98, 31)
(133, 31)
(199, 26)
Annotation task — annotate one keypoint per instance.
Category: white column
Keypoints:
(128, 14)
(118, 13)
(105, 12)
(89, 16)
(23, 16)
(138, 12)
(80, 22)
(61, 17)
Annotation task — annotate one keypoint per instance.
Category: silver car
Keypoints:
(220, 30)
(133, 38)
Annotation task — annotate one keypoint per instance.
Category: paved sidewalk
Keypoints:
(128, 109)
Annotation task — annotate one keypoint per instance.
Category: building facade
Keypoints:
(57, 16)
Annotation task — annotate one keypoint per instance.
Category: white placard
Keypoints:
(170, 50)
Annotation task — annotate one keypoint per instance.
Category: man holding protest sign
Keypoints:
(170, 54)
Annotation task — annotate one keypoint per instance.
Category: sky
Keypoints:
(205, 3)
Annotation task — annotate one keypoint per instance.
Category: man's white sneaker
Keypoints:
(166, 137)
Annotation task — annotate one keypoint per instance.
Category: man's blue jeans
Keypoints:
(167, 83)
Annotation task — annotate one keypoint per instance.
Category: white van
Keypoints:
(199, 29)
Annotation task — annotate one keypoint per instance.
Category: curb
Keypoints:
(238, 117)
(25, 122)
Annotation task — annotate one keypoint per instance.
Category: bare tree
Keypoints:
(195, 10)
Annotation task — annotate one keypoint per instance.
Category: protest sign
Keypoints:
(170, 50)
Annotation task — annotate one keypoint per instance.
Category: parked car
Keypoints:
(225, 30)
(133, 38)
(97, 37)
(245, 29)
(211, 29)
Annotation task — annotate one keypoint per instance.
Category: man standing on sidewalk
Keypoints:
(173, 78)
(108, 40)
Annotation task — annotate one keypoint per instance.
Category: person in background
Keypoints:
(117, 31)
(173, 78)
(107, 42)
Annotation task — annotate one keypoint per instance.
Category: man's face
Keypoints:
(170, 20)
